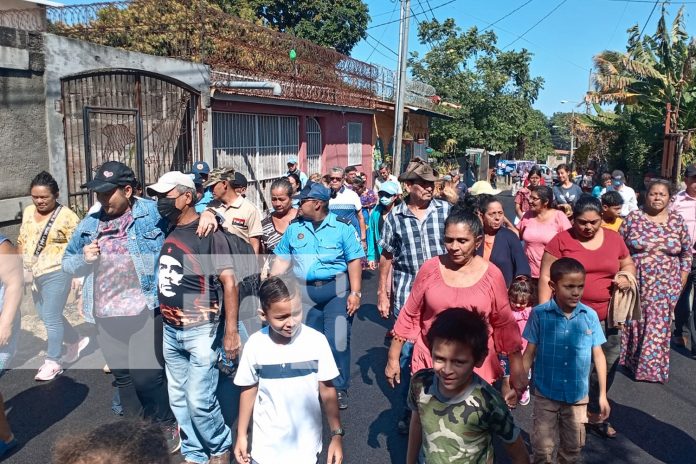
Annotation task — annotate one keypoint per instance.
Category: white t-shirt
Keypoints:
(346, 205)
(287, 413)
(630, 202)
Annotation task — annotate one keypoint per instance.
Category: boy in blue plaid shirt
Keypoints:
(563, 333)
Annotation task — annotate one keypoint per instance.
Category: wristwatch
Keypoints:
(358, 294)
(339, 431)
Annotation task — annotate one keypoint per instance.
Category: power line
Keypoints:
(537, 23)
(380, 43)
(509, 14)
(646, 1)
(648, 20)
(384, 55)
(409, 16)
(617, 25)
(429, 7)
(383, 32)
(542, 47)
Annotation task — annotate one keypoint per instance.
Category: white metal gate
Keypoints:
(314, 147)
(256, 145)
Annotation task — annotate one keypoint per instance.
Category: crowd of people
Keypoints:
(189, 287)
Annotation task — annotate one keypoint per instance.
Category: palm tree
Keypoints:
(655, 70)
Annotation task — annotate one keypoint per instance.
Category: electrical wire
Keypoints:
(648, 20)
(509, 14)
(383, 32)
(408, 16)
(537, 23)
(380, 43)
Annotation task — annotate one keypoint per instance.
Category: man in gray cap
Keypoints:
(413, 232)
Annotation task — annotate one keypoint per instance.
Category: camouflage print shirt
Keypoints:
(459, 429)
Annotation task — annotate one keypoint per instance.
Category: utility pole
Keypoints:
(572, 136)
(401, 85)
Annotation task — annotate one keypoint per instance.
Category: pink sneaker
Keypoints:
(73, 350)
(48, 371)
(524, 401)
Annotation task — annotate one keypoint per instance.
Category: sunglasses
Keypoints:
(335, 178)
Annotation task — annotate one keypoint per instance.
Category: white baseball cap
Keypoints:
(169, 181)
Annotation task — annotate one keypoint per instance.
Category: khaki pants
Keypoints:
(558, 426)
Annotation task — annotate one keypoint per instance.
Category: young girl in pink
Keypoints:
(521, 295)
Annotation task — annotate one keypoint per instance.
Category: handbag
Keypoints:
(41, 244)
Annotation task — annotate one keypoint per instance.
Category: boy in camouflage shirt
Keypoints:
(454, 411)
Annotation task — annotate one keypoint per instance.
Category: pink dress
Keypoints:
(521, 317)
(430, 296)
(537, 234)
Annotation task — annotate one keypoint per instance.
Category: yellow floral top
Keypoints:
(58, 237)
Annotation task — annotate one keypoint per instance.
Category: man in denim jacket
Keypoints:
(115, 249)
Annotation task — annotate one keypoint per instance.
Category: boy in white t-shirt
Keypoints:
(285, 368)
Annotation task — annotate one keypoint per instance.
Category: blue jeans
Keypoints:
(50, 294)
(190, 356)
(405, 364)
(327, 314)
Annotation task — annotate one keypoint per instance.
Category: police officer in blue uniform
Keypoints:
(324, 252)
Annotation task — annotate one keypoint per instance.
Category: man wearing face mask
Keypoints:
(115, 249)
(189, 269)
(388, 197)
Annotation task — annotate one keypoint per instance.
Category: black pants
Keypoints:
(684, 317)
(612, 350)
(132, 347)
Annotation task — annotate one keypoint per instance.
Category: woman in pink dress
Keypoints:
(539, 225)
(459, 279)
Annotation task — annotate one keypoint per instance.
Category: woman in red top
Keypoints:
(603, 253)
(461, 279)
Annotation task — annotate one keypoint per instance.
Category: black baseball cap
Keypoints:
(690, 171)
(110, 175)
(239, 180)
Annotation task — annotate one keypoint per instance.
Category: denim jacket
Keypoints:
(145, 239)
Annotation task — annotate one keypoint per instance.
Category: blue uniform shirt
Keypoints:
(564, 349)
(319, 254)
(205, 199)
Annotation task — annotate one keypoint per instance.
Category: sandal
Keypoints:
(603, 429)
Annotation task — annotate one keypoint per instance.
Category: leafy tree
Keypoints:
(560, 126)
(185, 27)
(339, 24)
(494, 88)
(655, 70)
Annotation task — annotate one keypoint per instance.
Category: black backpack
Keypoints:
(246, 263)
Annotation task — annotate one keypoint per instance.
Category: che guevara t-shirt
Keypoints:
(187, 276)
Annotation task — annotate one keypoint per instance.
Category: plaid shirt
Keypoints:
(564, 349)
(411, 242)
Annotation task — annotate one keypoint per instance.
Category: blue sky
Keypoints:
(563, 43)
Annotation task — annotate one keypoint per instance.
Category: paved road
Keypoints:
(656, 422)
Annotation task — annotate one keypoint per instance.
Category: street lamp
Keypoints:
(572, 133)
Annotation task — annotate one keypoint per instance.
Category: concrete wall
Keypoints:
(23, 150)
(68, 57)
(333, 124)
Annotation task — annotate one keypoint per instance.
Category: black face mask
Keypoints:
(167, 209)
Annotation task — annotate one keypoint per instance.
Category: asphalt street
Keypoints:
(656, 423)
